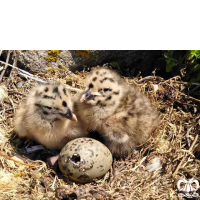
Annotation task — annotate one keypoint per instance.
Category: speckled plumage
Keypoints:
(45, 114)
(122, 115)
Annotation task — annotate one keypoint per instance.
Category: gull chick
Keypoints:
(47, 116)
(122, 115)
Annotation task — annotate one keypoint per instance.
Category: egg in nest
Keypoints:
(85, 159)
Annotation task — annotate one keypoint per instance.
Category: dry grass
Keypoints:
(133, 178)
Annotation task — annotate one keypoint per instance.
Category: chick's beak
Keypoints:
(83, 97)
(86, 95)
(70, 115)
(74, 118)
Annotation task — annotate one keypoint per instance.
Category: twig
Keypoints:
(16, 68)
(197, 86)
(193, 84)
(22, 71)
(15, 61)
(1, 52)
(74, 89)
(182, 82)
(11, 101)
(183, 159)
(54, 182)
(189, 97)
(16, 161)
(9, 109)
(6, 65)
(149, 176)
(185, 103)
(149, 78)
(31, 76)
(13, 91)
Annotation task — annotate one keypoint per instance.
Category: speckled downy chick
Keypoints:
(46, 116)
(122, 115)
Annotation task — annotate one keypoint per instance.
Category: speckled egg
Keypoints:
(84, 159)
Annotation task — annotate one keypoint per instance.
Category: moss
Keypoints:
(52, 56)
(55, 70)
(83, 53)
(52, 70)
(62, 67)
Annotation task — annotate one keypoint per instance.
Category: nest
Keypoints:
(151, 172)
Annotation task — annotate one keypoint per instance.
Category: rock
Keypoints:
(140, 61)
(128, 62)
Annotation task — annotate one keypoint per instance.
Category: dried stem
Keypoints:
(183, 159)
(23, 73)
(6, 65)
(16, 161)
(74, 89)
(31, 76)
(150, 78)
(15, 61)
(189, 97)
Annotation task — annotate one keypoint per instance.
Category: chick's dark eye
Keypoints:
(106, 89)
(91, 85)
(64, 103)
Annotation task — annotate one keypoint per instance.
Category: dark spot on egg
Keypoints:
(64, 167)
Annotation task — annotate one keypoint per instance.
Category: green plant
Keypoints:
(190, 61)
(171, 62)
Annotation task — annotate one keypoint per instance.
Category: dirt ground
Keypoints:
(151, 172)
